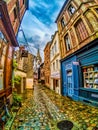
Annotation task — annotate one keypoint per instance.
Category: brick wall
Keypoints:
(84, 11)
(47, 64)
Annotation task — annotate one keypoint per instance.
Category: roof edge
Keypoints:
(61, 10)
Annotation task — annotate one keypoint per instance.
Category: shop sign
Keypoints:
(75, 63)
(55, 75)
(24, 53)
(94, 95)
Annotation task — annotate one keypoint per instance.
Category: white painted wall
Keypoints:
(29, 83)
(22, 75)
(54, 57)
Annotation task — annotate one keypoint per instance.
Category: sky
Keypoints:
(38, 24)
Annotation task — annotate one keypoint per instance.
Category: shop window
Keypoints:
(63, 22)
(71, 9)
(90, 77)
(81, 30)
(67, 42)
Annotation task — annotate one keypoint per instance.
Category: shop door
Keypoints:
(70, 89)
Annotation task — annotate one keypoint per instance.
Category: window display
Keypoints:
(90, 76)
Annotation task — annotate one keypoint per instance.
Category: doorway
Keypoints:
(69, 86)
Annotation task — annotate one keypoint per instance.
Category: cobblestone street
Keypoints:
(42, 109)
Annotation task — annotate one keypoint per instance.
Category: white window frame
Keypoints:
(71, 9)
(67, 42)
(63, 23)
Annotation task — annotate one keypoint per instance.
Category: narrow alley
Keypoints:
(42, 109)
(48, 65)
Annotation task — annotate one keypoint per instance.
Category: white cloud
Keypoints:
(42, 26)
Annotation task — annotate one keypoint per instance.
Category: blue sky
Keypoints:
(39, 23)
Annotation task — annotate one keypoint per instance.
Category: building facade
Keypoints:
(16, 9)
(78, 34)
(7, 44)
(30, 72)
(25, 69)
(55, 64)
(38, 63)
(47, 64)
(36, 67)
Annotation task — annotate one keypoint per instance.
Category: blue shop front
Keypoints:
(88, 73)
(70, 78)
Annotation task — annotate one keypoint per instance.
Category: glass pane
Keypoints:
(1, 79)
(2, 37)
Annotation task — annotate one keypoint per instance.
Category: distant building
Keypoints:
(30, 71)
(78, 35)
(37, 63)
(38, 59)
(25, 65)
(47, 64)
(55, 81)
(42, 74)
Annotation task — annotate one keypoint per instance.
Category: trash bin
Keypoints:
(65, 125)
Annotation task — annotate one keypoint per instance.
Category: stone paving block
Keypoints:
(45, 108)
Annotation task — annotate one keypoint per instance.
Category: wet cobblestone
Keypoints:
(42, 109)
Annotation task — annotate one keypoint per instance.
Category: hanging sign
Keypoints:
(24, 53)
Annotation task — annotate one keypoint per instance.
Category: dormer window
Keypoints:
(71, 9)
(63, 22)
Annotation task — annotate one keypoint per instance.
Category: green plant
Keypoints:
(16, 80)
(15, 64)
(17, 99)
